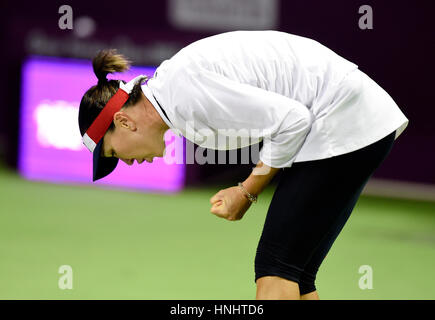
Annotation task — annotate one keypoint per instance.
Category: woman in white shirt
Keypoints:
(320, 119)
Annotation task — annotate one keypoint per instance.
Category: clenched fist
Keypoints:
(230, 204)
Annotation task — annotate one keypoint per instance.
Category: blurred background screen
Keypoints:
(51, 147)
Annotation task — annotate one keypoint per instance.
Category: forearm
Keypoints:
(259, 178)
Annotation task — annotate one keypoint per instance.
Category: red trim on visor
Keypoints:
(102, 122)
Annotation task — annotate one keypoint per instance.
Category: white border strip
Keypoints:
(89, 143)
(127, 87)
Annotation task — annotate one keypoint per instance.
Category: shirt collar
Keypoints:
(150, 96)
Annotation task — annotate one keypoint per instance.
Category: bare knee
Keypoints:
(310, 296)
(276, 288)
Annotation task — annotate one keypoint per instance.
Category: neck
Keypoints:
(154, 117)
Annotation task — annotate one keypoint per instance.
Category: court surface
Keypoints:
(133, 245)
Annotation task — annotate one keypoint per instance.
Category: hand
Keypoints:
(230, 203)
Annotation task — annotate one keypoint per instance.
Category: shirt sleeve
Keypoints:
(222, 103)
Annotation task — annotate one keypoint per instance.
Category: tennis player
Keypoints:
(323, 122)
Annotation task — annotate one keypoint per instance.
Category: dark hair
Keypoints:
(94, 100)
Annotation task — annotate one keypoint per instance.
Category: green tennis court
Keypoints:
(132, 245)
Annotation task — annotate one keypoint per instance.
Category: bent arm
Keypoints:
(260, 177)
(222, 103)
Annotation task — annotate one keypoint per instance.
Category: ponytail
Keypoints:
(94, 100)
(109, 61)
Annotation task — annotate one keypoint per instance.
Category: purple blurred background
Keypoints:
(50, 146)
(397, 53)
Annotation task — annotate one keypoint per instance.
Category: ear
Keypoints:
(123, 120)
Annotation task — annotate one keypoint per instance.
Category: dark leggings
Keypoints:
(311, 204)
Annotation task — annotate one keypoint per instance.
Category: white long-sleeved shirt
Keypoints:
(303, 100)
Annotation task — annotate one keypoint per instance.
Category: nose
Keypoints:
(128, 161)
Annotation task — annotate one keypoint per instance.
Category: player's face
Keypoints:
(136, 137)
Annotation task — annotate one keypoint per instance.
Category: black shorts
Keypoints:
(311, 204)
